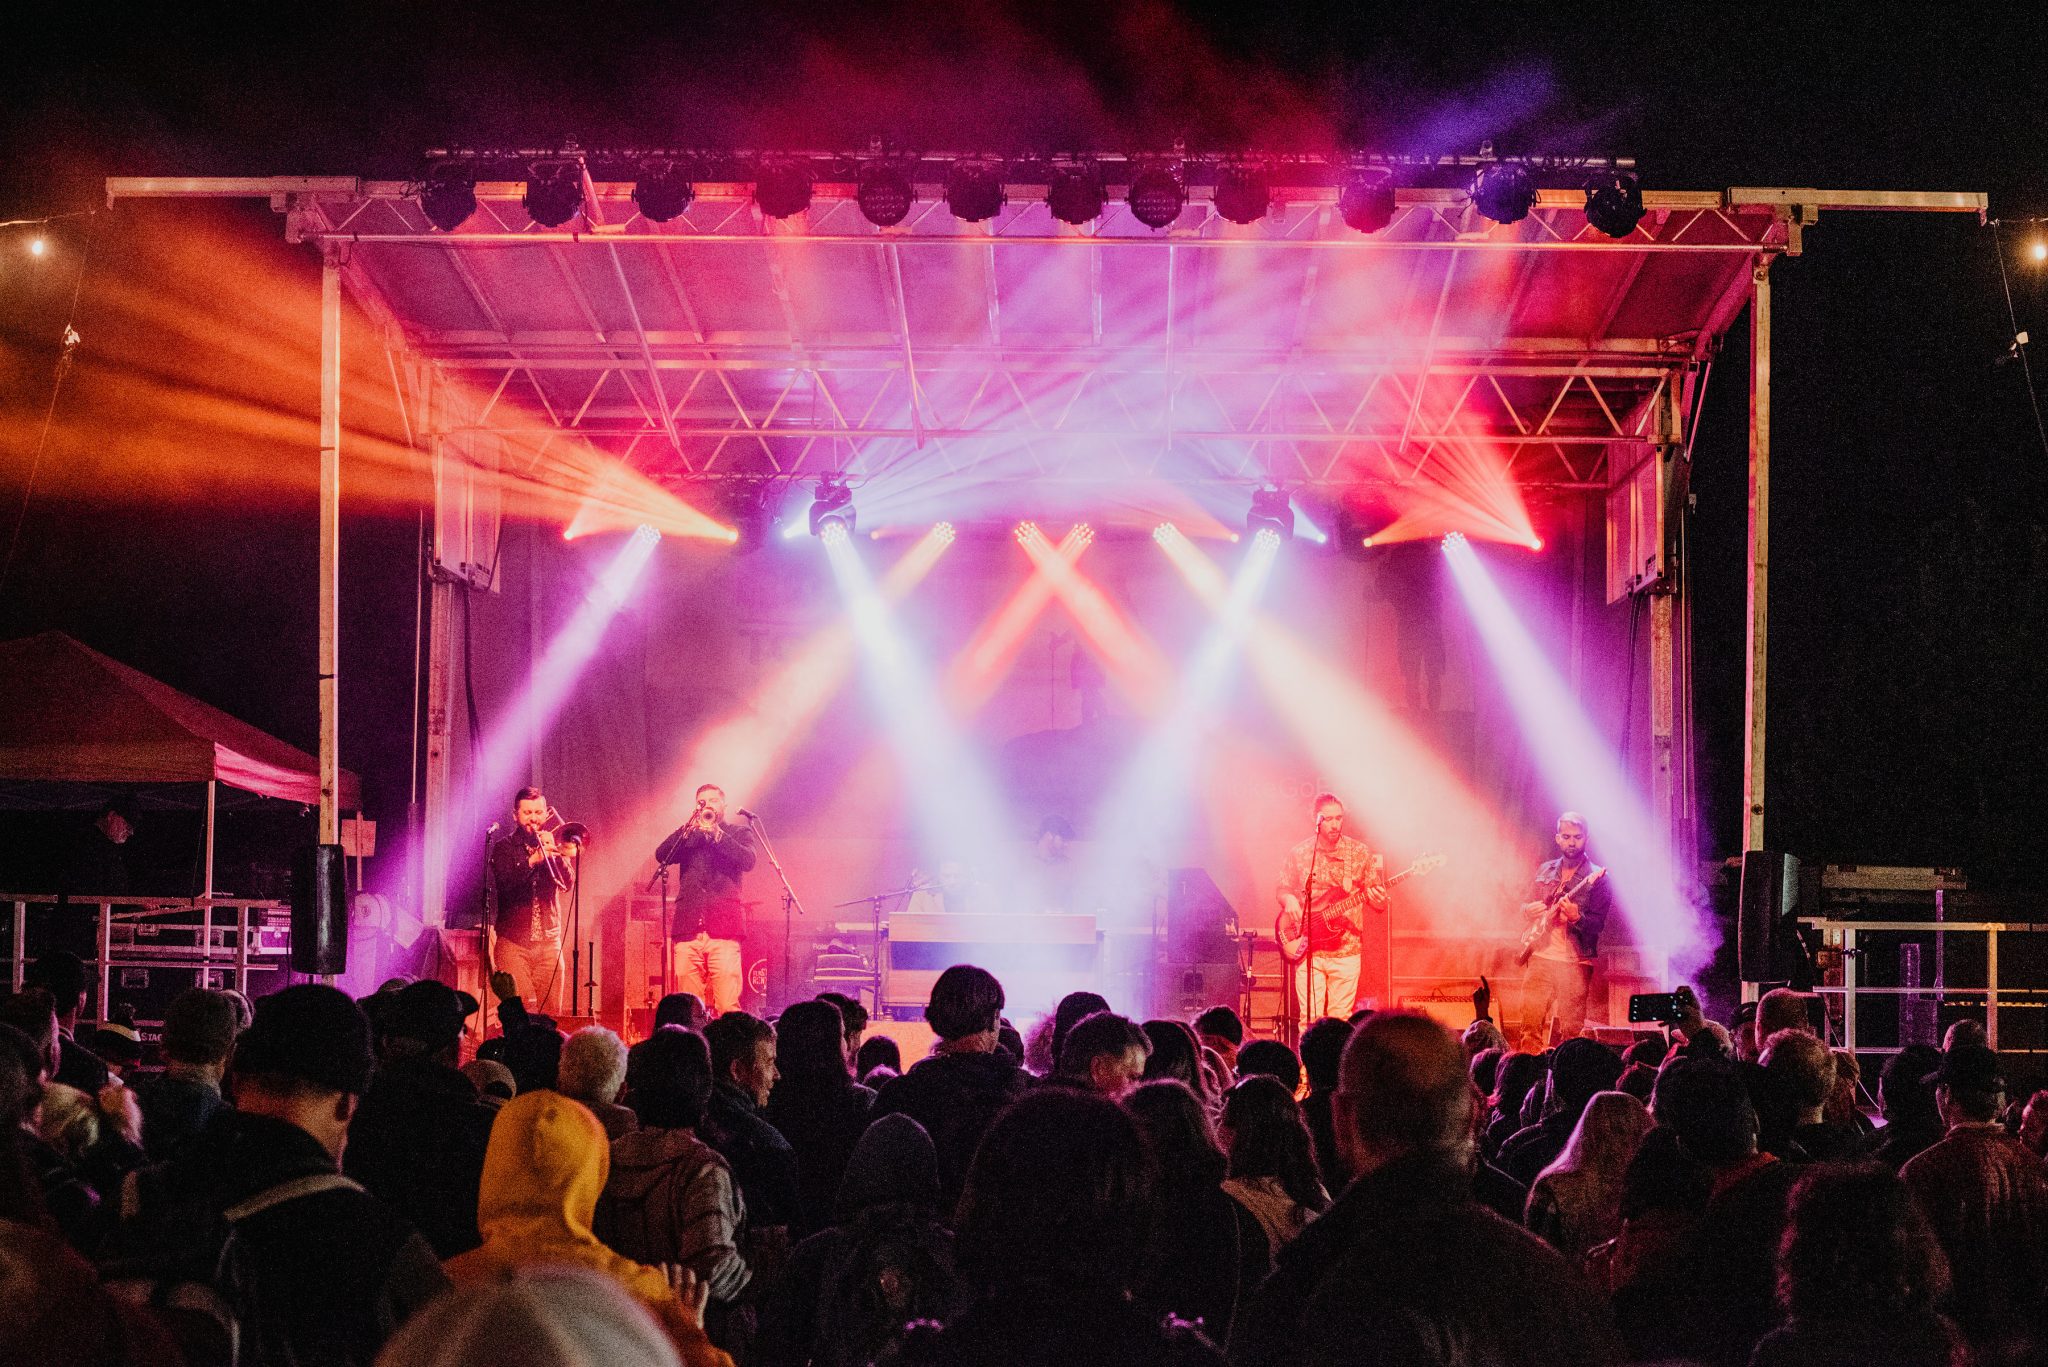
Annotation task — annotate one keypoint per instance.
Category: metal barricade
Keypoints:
(220, 940)
(1847, 947)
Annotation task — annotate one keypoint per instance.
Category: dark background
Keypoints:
(1908, 621)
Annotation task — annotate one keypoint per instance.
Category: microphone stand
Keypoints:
(1308, 958)
(668, 948)
(487, 898)
(790, 904)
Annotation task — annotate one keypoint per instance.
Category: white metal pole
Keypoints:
(1759, 556)
(330, 544)
(212, 789)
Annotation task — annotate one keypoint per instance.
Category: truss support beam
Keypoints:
(1754, 710)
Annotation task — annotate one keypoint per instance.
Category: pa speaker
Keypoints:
(1201, 926)
(319, 911)
(1766, 939)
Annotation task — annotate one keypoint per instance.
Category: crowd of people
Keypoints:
(320, 1180)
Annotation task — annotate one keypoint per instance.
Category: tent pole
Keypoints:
(330, 541)
(206, 884)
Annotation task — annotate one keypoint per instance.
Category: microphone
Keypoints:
(747, 814)
(493, 830)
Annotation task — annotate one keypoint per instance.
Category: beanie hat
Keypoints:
(312, 1033)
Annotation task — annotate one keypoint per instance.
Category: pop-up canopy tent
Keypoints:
(74, 716)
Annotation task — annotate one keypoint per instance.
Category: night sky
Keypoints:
(1909, 618)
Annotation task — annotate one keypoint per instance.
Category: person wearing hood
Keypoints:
(546, 1165)
(885, 1261)
(956, 1093)
(671, 1197)
(419, 1137)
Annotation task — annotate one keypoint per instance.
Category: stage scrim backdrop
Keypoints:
(712, 671)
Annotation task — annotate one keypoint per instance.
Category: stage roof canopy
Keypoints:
(1295, 349)
(76, 716)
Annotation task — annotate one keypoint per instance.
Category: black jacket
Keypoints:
(527, 903)
(956, 1098)
(1207, 1255)
(761, 1160)
(822, 1118)
(337, 1271)
(1407, 1268)
(708, 874)
(418, 1144)
(174, 1109)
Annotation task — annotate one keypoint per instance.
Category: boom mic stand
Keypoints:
(791, 906)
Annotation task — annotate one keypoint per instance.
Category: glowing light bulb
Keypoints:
(36, 246)
(2040, 249)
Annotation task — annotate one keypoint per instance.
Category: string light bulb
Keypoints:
(37, 246)
(2039, 251)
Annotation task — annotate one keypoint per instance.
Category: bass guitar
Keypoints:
(1540, 927)
(1292, 933)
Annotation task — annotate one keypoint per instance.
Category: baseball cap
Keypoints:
(312, 1033)
(1968, 1068)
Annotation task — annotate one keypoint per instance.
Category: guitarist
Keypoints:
(1561, 966)
(1326, 979)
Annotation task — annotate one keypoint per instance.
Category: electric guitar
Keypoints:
(1540, 927)
(1293, 938)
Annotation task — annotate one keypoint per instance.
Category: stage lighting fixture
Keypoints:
(1504, 192)
(1271, 511)
(752, 513)
(554, 193)
(448, 198)
(884, 194)
(1156, 196)
(1165, 532)
(832, 506)
(1614, 204)
(1366, 200)
(1243, 194)
(1075, 195)
(1083, 534)
(663, 191)
(974, 191)
(1453, 539)
(782, 189)
(945, 533)
(1026, 530)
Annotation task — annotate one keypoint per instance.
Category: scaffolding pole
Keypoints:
(1753, 710)
(330, 545)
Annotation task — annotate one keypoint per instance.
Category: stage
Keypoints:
(1049, 451)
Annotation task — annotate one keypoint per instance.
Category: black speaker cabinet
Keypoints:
(1766, 937)
(319, 911)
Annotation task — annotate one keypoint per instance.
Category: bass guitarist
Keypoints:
(1562, 935)
(1343, 880)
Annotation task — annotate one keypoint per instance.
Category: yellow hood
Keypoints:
(547, 1162)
